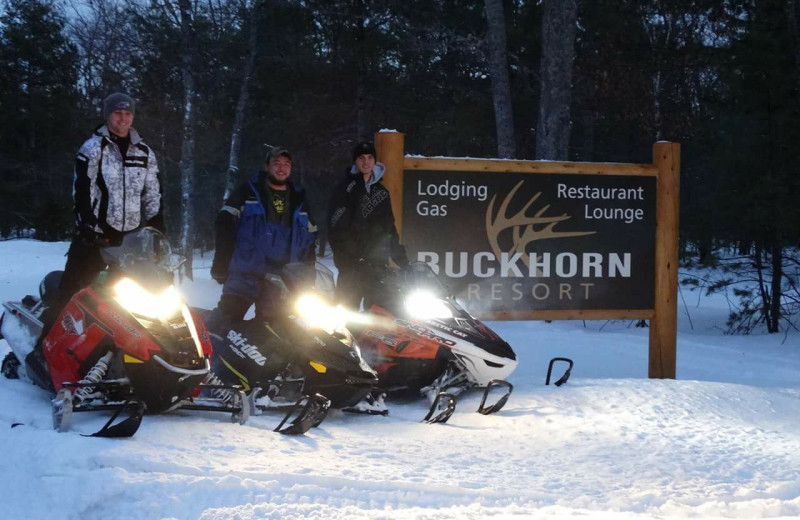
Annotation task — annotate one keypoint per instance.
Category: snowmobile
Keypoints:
(420, 340)
(304, 349)
(127, 343)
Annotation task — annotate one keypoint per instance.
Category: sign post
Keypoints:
(390, 148)
(664, 325)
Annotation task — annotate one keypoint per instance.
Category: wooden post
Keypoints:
(664, 325)
(391, 152)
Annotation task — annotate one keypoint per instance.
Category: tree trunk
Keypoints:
(231, 178)
(794, 34)
(656, 81)
(187, 164)
(362, 71)
(501, 86)
(762, 287)
(558, 53)
(773, 324)
(659, 36)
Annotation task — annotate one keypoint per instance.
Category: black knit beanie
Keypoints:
(364, 148)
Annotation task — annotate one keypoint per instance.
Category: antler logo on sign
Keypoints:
(526, 228)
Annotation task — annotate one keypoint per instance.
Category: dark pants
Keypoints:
(267, 301)
(84, 263)
(353, 285)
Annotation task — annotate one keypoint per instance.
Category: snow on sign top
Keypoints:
(495, 159)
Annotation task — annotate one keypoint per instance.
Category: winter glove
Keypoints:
(219, 272)
(89, 237)
(86, 234)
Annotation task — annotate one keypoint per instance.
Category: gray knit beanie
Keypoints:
(118, 101)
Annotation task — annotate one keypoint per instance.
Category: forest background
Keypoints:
(217, 82)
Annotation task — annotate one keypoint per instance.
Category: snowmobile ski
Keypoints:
(126, 427)
(67, 402)
(308, 412)
(483, 409)
(445, 405)
(564, 378)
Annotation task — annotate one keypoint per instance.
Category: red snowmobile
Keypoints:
(126, 343)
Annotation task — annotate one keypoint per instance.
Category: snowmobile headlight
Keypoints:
(187, 317)
(317, 313)
(425, 306)
(135, 299)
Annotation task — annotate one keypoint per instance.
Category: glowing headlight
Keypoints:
(424, 305)
(134, 298)
(317, 313)
(187, 317)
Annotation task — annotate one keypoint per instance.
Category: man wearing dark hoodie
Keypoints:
(263, 226)
(361, 228)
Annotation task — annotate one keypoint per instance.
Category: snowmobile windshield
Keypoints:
(419, 275)
(144, 254)
(395, 285)
(299, 276)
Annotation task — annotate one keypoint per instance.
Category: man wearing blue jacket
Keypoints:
(263, 226)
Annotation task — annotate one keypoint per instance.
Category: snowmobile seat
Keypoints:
(48, 288)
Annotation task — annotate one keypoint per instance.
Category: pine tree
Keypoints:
(38, 103)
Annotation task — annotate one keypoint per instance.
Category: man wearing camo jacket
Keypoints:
(116, 190)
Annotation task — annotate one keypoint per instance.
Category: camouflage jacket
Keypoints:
(112, 193)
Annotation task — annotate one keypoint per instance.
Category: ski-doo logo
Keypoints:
(245, 348)
(422, 331)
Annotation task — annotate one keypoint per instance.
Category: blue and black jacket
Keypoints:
(252, 239)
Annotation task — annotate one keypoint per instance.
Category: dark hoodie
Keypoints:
(361, 223)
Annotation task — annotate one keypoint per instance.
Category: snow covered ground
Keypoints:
(721, 441)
